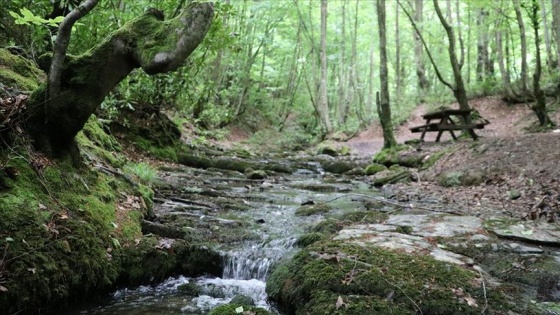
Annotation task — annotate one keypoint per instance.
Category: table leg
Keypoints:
(424, 131)
(473, 134)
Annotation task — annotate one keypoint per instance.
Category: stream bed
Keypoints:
(255, 221)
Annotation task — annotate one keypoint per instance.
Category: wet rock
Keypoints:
(339, 166)
(535, 232)
(190, 289)
(258, 174)
(400, 175)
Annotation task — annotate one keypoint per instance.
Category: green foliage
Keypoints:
(144, 171)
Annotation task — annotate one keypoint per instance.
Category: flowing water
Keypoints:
(248, 264)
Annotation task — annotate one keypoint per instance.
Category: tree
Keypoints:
(383, 104)
(147, 42)
(540, 105)
(323, 105)
(523, 38)
(423, 82)
(556, 28)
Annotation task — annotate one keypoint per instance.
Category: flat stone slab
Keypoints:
(541, 233)
(437, 225)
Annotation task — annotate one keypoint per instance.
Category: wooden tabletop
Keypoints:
(446, 113)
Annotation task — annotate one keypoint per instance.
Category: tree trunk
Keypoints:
(323, 105)
(523, 38)
(556, 28)
(423, 82)
(342, 73)
(540, 105)
(459, 90)
(383, 104)
(549, 57)
(87, 79)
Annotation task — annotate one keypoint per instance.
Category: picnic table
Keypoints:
(444, 122)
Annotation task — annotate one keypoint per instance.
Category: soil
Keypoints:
(520, 170)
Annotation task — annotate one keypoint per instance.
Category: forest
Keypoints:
(279, 157)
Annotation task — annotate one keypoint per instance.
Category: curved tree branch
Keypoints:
(62, 42)
(438, 73)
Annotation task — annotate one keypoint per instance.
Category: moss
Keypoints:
(389, 156)
(338, 167)
(309, 238)
(368, 279)
(317, 208)
(433, 158)
(155, 259)
(375, 168)
(195, 161)
(16, 71)
(327, 149)
(95, 142)
(190, 289)
(231, 309)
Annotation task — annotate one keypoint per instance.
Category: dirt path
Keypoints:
(504, 121)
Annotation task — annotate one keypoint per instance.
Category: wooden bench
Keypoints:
(445, 123)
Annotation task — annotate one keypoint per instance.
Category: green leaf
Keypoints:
(239, 310)
(9, 239)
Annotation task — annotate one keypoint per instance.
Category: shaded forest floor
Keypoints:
(519, 170)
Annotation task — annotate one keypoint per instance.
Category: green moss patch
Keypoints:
(339, 278)
(16, 71)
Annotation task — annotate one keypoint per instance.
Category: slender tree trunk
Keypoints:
(459, 89)
(556, 28)
(398, 77)
(423, 82)
(540, 105)
(323, 105)
(544, 18)
(506, 81)
(342, 77)
(383, 103)
(483, 64)
(523, 38)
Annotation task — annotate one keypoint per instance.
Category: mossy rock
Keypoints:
(232, 309)
(309, 238)
(375, 168)
(357, 171)
(190, 289)
(400, 155)
(232, 165)
(344, 151)
(338, 167)
(317, 208)
(155, 259)
(258, 174)
(18, 72)
(195, 161)
(242, 300)
(327, 150)
(460, 178)
(400, 175)
(372, 280)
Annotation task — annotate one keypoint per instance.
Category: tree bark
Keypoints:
(556, 28)
(148, 42)
(459, 90)
(523, 38)
(423, 82)
(61, 45)
(383, 104)
(323, 106)
(549, 57)
(540, 105)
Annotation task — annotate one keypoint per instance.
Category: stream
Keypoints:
(256, 222)
(270, 205)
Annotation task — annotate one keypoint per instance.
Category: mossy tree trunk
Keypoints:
(147, 42)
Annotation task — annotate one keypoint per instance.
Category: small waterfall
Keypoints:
(246, 268)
